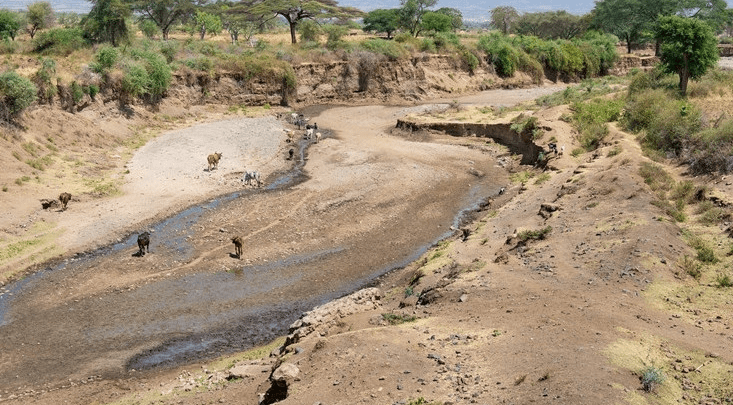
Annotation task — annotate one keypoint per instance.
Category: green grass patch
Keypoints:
(536, 234)
(397, 319)
(542, 178)
(521, 177)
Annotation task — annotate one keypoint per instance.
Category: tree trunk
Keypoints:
(292, 32)
(684, 76)
(628, 44)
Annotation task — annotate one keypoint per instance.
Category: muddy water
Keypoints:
(54, 330)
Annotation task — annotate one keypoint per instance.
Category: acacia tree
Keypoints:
(626, 19)
(40, 16)
(382, 20)
(295, 11)
(411, 14)
(106, 21)
(688, 47)
(9, 24)
(503, 18)
(206, 22)
(164, 13)
(433, 22)
(456, 17)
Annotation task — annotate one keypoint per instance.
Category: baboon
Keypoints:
(214, 160)
(143, 243)
(64, 198)
(238, 242)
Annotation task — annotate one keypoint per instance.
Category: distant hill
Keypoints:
(472, 10)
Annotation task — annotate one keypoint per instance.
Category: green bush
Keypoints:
(148, 28)
(77, 93)
(309, 31)
(8, 46)
(105, 59)
(470, 60)
(334, 35)
(202, 63)
(590, 119)
(59, 41)
(668, 124)
(43, 79)
(16, 94)
(428, 45)
(537, 234)
(651, 377)
(501, 53)
(393, 50)
(445, 39)
(169, 50)
(531, 66)
(146, 73)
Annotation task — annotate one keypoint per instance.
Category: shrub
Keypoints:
(444, 40)
(651, 377)
(169, 50)
(590, 120)
(526, 126)
(501, 53)
(394, 319)
(309, 31)
(668, 124)
(334, 35)
(656, 177)
(59, 41)
(8, 47)
(537, 234)
(706, 254)
(105, 59)
(691, 267)
(145, 74)
(148, 28)
(77, 93)
(16, 94)
(391, 49)
(43, 79)
(724, 281)
(470, 60)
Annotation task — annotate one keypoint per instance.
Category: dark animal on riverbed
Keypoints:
(143, 243)
(46, 203)
(291, 152)
(238, 242)
(64, 198)
(214, 160)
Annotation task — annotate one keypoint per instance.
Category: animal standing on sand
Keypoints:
(143, 243)
(214, 160)
(308, 133)
(238, 242)
(291, 152)
(252, 176)
(318, 137)
(64, 198)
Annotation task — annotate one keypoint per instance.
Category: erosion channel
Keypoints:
(367, 201)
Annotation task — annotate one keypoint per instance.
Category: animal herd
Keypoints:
(248, 178)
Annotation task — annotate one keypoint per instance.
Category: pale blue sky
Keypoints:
(471, 9)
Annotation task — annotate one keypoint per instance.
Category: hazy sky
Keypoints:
(471, 9)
